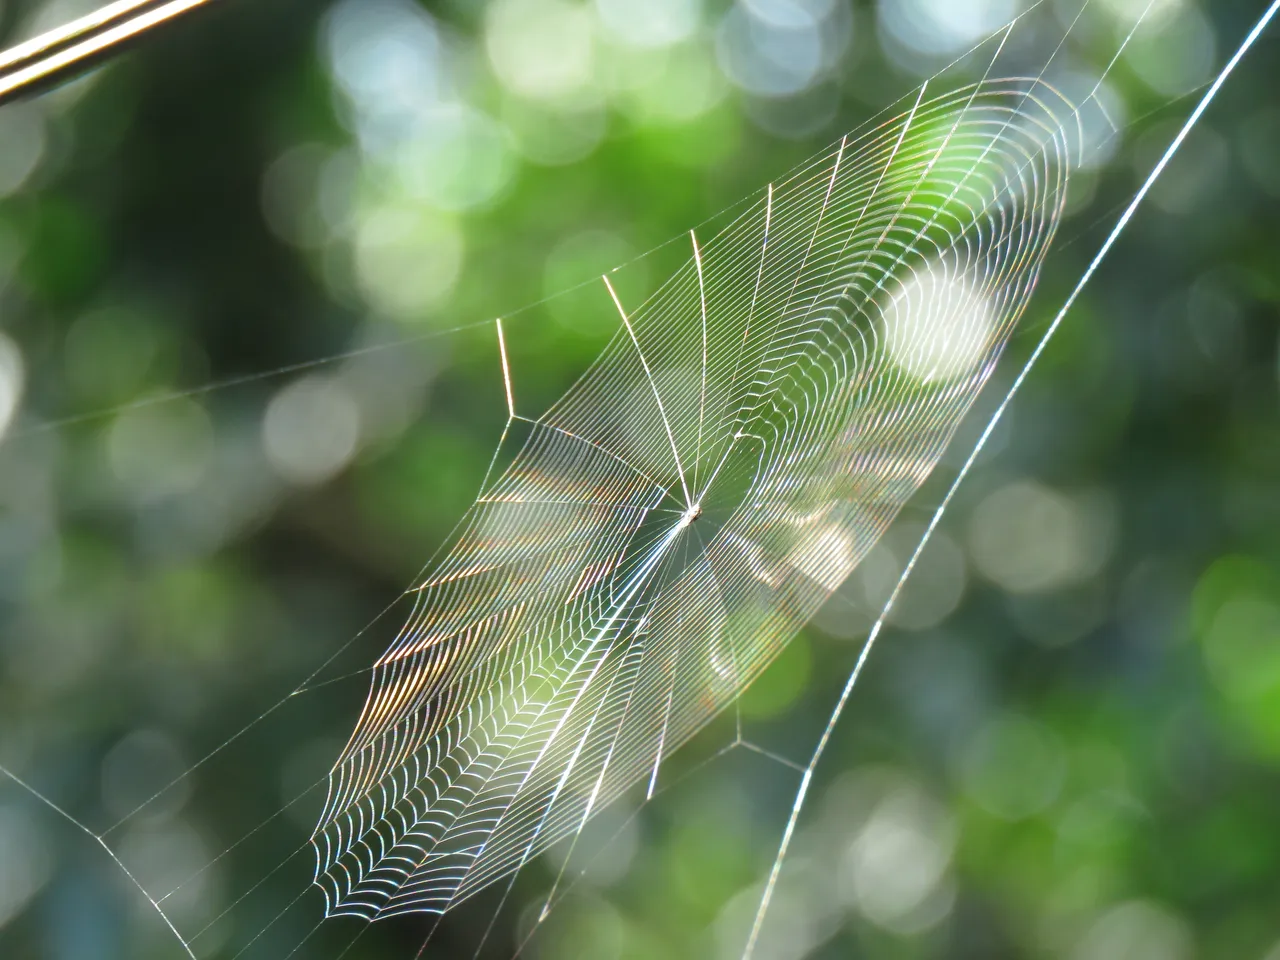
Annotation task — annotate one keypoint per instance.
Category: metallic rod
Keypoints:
(66, 51)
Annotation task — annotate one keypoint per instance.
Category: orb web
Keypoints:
(660, 532)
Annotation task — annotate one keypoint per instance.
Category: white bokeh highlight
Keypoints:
(311, 430)
(12, 380)
(938, 324)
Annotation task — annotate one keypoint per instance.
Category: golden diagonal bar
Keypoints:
(67, 51)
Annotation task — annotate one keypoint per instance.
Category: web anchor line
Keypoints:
(186, 947)
(1126, 217)
(506, 369)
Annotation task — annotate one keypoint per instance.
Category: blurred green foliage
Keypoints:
(300, 217)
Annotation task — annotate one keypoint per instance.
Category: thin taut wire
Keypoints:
(68, 50)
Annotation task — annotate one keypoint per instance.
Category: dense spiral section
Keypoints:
(671, 522)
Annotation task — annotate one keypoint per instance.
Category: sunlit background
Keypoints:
(1068, 744)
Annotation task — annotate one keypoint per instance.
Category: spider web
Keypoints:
(674, 519)
(644, 547)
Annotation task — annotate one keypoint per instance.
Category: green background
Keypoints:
(300, 218)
